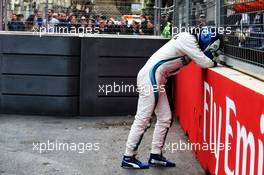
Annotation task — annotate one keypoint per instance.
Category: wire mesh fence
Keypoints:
(100, 16)
(240, 21)
(246, 21)
(195, 13)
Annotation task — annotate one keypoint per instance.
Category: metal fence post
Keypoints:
(157, 15)
(222, 11)
(1, 15)
(187, 12)
(21, 3)
(175, 13)
(5, 10)
(217, 13)
(46, 11)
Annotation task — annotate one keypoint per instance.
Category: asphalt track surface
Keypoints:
(99, 145)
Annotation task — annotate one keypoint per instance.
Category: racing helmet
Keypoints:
(209, 41)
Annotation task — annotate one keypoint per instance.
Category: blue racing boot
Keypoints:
(132, 162)
(159, 160)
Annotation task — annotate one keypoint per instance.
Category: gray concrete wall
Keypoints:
(106, 61)
(39, 75)
(59, 75)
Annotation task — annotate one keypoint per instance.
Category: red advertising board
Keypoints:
(224, 120)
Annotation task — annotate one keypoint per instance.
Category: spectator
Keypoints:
(73, 21)
(20, 17)
(62, 17)
(39, 21)
(91, 25)
(12, 25)
(102, 18)
(29, 23)
(123, 26)
(83, 24)
(202, 20)
(20, 22)
(257, 28)
(163, 21)
(59, 16)
(62, 22)
(83, 21)
(150, 26)
(113, 26)
(167, 30)
(68, 15)
(144, 25)
(63, 26)
(102, 26)
(91, 22)
(97, 19)
(135, 28)
(110, 27)
(55, 15)
(52, 22)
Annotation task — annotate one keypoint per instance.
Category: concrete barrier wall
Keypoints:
(39, 75)
(109, 68)
(222, 111)
(60, 75)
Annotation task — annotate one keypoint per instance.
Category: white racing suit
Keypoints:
(167, 61)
